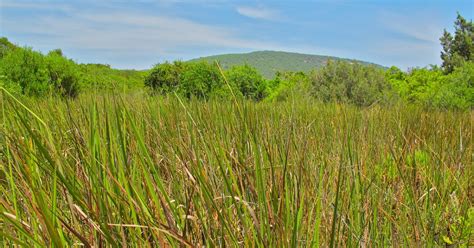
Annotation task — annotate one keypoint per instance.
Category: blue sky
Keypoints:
(138, 34)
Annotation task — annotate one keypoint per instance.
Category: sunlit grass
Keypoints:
(134, 170)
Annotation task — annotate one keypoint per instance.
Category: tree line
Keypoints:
(28, 72)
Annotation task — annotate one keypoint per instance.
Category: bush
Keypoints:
(63, 74)
(193, 79)
(31, 73)
(418, 86)
(458, 88)
(203, 80)
(165, 78)
(349, 82)
(5, 46)
(289, 85)
(25, 71)
(103, 77)
(248, 81)
(432, 88)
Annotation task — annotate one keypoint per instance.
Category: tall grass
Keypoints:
(143, 171)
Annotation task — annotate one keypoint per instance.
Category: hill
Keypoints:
(269, 62)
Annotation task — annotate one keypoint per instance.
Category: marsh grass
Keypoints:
(140, 171)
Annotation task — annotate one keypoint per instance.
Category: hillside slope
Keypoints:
(269, 62)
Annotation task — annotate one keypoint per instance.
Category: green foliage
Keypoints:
(418, 86)
(63, 74)
(29, 72)
(432, 88)
(247, 79)
(458, 48)
(289, 85)
(25, 71)
(200, 80)
(457, 88)
(203, 80)
(165, 78)
(5, 46)
(349, 82)
(103, 77)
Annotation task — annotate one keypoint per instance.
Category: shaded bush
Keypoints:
(349, 82)
(5, 46)
(165, 78)
(63, 74)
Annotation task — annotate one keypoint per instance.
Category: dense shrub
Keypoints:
(248, 81)
(103, 77)
(203, 80)
(192, 80)
(295, 85)
(165, 78)
(349, 82)
(31, 73)
(458, 88)
(63, 74)
(432, 88)
(25, 71)
(5, 46)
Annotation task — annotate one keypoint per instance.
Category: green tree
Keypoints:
(459, 47)
(248, 81)
(165, 78)
(203, 80)
(289, 85)
(432, 88)
(350, 82)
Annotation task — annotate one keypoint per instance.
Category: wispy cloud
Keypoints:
(423, 27)
(257, 12)
(414, 40)
(141, 32)
(38, 5)
(133, 34)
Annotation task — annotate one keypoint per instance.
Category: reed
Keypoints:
(136, 170)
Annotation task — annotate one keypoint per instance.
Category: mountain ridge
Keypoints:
(269, 62)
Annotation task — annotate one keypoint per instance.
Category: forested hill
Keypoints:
(269, 62)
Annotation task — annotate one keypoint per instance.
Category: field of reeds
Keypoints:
(142, 171)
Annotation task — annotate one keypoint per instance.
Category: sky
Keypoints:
(139, 34)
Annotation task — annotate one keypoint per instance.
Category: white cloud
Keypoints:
(257, 12)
